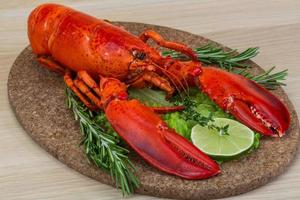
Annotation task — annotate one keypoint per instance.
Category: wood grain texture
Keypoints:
(28, 172)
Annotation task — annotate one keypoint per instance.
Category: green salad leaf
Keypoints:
(149, 97)
(182, 121)
(177, 122)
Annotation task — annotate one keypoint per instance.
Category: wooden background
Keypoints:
(28, 172)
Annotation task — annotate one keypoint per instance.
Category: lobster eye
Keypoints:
(139, 54)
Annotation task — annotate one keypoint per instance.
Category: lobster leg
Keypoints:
(70, 83)
(164, 110)
(150, 137)
(49, 63)
(167, 44)
(161, 83)
(85, 77)
(86, 90)
(154, 79)
(84, 82)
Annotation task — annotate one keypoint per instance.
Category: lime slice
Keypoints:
(238, 140)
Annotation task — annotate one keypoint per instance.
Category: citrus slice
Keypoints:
(223, 146)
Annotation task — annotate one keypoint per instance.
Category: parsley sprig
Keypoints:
(190, 113)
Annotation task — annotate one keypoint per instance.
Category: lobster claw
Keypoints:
(159, 145)
(147, 134)
(248, 102)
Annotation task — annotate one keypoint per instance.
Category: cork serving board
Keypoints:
(37, 98)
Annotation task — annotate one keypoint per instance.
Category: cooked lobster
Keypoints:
(99, 61)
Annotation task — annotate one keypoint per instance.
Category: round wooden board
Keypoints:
(37, 98)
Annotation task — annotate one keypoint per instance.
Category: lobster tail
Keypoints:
(42, 23)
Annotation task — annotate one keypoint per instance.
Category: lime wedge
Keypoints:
(238, 140)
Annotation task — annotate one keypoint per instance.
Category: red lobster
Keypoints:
(99, 61)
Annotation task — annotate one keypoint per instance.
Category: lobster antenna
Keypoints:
(186, 87)
(169, 74)
(165, 72)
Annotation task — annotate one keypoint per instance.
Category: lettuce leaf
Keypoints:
(176, 120)
(149, 96)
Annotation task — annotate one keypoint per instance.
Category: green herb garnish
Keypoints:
(190, 113)
(210, 54)
(267, 79)
(232, 61)
(101, 145)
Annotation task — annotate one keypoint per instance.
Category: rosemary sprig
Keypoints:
(267, 79)
(211, 54)
(231, 61)
(101, 145)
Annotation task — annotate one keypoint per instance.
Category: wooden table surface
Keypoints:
(28, 172)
